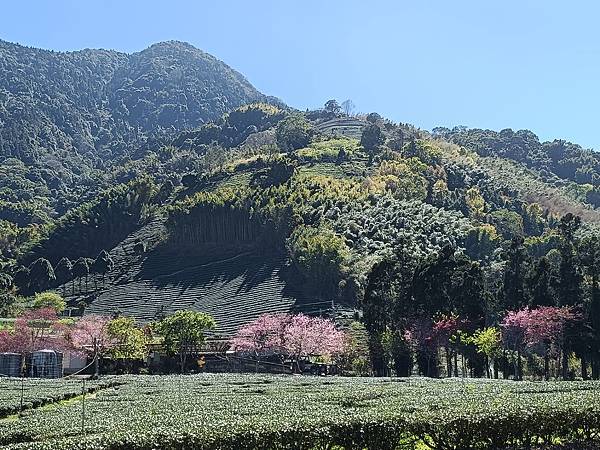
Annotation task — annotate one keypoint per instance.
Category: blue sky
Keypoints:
(487, 64)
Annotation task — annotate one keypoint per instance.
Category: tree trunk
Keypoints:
(519, 366)
(547, 365)
(456, 364)
(182, 358)
(448, 363)
(96, 367)
(377, 357)
(565, 364)
(584, 369)
(595, 367)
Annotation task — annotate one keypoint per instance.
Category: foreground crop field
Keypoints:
(37, 392)
(260, 411)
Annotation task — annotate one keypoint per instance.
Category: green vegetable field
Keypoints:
(261, 411)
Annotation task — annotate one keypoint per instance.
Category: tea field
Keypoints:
(233, 411)
(17, 394)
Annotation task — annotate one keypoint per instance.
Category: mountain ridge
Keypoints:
(83, 112)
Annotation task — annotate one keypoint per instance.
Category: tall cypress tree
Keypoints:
(41, 275)
(64, 273)
(377, 302)
(517, 262)
(570, 279)
(539, 284)
(589, 249)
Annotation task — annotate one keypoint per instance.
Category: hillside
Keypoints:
(232, 285)
(267, 209)
(66, 119)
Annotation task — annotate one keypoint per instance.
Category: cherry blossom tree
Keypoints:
(514, 327)
(90, 335)
(14, 341)
(546, 328)
(36, 329)
(419, 336)
(444, 329)
(542, 327)
(263, 336)
(293, 336)
(306, 336)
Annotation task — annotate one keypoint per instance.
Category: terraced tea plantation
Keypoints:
(258, 411)
(235, 289)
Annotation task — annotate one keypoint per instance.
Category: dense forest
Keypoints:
(68, 118)
(432, 240)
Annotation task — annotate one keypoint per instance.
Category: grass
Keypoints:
(329, 149)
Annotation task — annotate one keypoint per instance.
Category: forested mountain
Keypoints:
(175, 195)
(555, 161)
(67, 118)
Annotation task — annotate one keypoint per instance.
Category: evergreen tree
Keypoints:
(377, 304)
(102, 264)
(21, 279)
(514, 275)
(539, 284)
(589, 249)
(372, 137)
(570, 279)
(332, 107)
(41, 275)
(64, 273)
(81, 269)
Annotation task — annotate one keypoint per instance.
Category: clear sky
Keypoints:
(487, 64)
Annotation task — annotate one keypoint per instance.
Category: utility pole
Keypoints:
(96, 362)
(83, 407)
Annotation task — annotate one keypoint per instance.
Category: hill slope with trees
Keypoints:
(441, 240)
(68, 118)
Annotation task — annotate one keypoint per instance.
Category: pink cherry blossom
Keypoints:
(90, 335)
(36, 329)
(295, 336)
(544, 325)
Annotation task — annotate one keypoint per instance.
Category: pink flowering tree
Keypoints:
(293, 336)
(426, 337)
(14, 341)
(307, 336)
(546, 329)
(540, 328)
(443, 334)
(90, 336)
(36, 329)
(419, 336)
(514, 328)
(263, 336)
